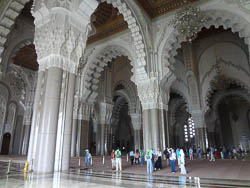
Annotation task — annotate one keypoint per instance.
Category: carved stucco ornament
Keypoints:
(243, 4)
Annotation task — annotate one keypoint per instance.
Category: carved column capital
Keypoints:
(85, 110)
(136, 121)
(60, 34)
(152, 95)
(105, 112)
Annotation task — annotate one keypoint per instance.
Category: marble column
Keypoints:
(35, 117)
(147, 138)
(78, 140)
(74, 138)
(155, 128)
(200, 130)
(84, 143)
(26, 139)
(46, 143)
(102, 139)
(67, 133)
(137, 139)
(136, 124)
(200, 138)
(60, 39)
(95, 134)
(162, 128)
(98, 140)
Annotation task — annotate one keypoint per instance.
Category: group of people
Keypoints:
(153, 160)
(179, 155)
(116, 159)
(225, 153)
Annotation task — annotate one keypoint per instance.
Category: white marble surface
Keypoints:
(76, 178)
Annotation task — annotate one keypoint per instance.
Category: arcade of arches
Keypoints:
(114, 73)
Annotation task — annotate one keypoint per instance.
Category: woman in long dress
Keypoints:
(182, 157)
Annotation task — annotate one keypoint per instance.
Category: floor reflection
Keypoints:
(88, 178)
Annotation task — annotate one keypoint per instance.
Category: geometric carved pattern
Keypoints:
(93, 70)
(216, 19)
(107, 21)
(15, 7)
(156, 8)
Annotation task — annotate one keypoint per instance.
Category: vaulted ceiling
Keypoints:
(107, 21)
(26, 57)
(155, 8)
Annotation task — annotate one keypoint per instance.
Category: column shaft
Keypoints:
(147, 138)
(35, 117)
(200, 138)
(155, 128)
(74, 138)
(46, 144)
(68, 122)
(26, 139)
(78, 141)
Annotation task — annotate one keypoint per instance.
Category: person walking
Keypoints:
(153, 159)
(148, 158)
(178, 157)
(113, 159)
(212, 154)
(158, 164)
(137, 157)
(191, 157)
(118, 159)
(182, 160)
(131, 155)
(142, 155)
(87, 158)
(172, 158)
(199, 153)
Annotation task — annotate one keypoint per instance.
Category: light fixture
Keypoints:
(188, 21)
(220, 81)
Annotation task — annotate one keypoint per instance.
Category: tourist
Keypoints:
(182, 157)
(153, 159)
(131, 155)
(113, 159)
(199, 153)
(137, 157)
(158, 164)
(191, 157)
(142, 157)
(212, 154)
(166, 153)
(148, 158)
(172, 158)
(234, 153)
(221, 153)
(118, 159)
(87, 158)
(178, 157)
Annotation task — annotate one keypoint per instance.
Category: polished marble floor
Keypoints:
(77, 178)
